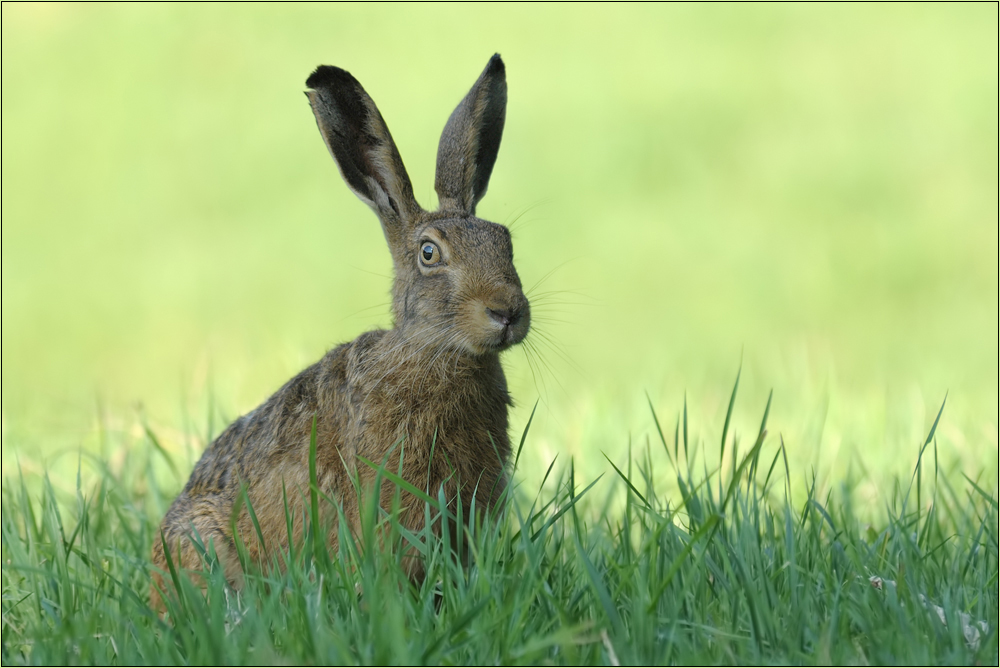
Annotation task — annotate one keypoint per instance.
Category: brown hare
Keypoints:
(431, 385)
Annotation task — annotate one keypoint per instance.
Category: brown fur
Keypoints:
(435, 377)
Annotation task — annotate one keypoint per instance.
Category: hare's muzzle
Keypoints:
(510, 324)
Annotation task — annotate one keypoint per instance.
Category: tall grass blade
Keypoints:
(729, 414)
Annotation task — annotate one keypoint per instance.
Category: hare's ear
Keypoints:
(360, 143)
(470, 141)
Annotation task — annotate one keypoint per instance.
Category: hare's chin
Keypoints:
(493, 343)
(503, 339)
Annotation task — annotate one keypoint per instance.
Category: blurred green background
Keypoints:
(811, 189)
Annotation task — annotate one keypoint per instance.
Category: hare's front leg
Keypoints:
(187, 556)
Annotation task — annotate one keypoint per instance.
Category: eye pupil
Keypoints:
(429, 253)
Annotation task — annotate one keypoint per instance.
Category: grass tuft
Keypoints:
(722, 567)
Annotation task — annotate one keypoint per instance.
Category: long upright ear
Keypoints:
(470, 141)
(362, 147)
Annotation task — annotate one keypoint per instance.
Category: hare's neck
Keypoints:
(418, 363)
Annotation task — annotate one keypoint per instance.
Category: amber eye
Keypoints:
(429, 254)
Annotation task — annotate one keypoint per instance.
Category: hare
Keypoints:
(430, 391)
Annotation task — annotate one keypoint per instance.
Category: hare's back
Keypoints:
(258, 443)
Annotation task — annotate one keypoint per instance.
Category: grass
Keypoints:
(726, 568)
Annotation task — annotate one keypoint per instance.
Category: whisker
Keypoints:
(368, 308)
(513, 225)
(548, 275)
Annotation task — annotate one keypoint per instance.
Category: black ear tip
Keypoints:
(495, 66)
(328, 75)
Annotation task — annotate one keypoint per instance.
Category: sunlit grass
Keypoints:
(728, 569)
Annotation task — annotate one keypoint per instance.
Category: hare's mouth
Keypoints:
(492, 329)
(506, 327)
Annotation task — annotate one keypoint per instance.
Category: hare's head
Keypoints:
(455, 283)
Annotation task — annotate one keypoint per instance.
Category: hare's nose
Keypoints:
(505, 317)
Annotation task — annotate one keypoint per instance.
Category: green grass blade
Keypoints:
(708, 526)
(603, 596)
(627, 481)
(989, 499)
(524, 436)
(729, 415)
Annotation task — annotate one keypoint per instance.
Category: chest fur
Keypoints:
(446, 415)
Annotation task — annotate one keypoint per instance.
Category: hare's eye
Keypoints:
(429, 254)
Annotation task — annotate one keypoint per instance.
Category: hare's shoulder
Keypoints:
(284, 421)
